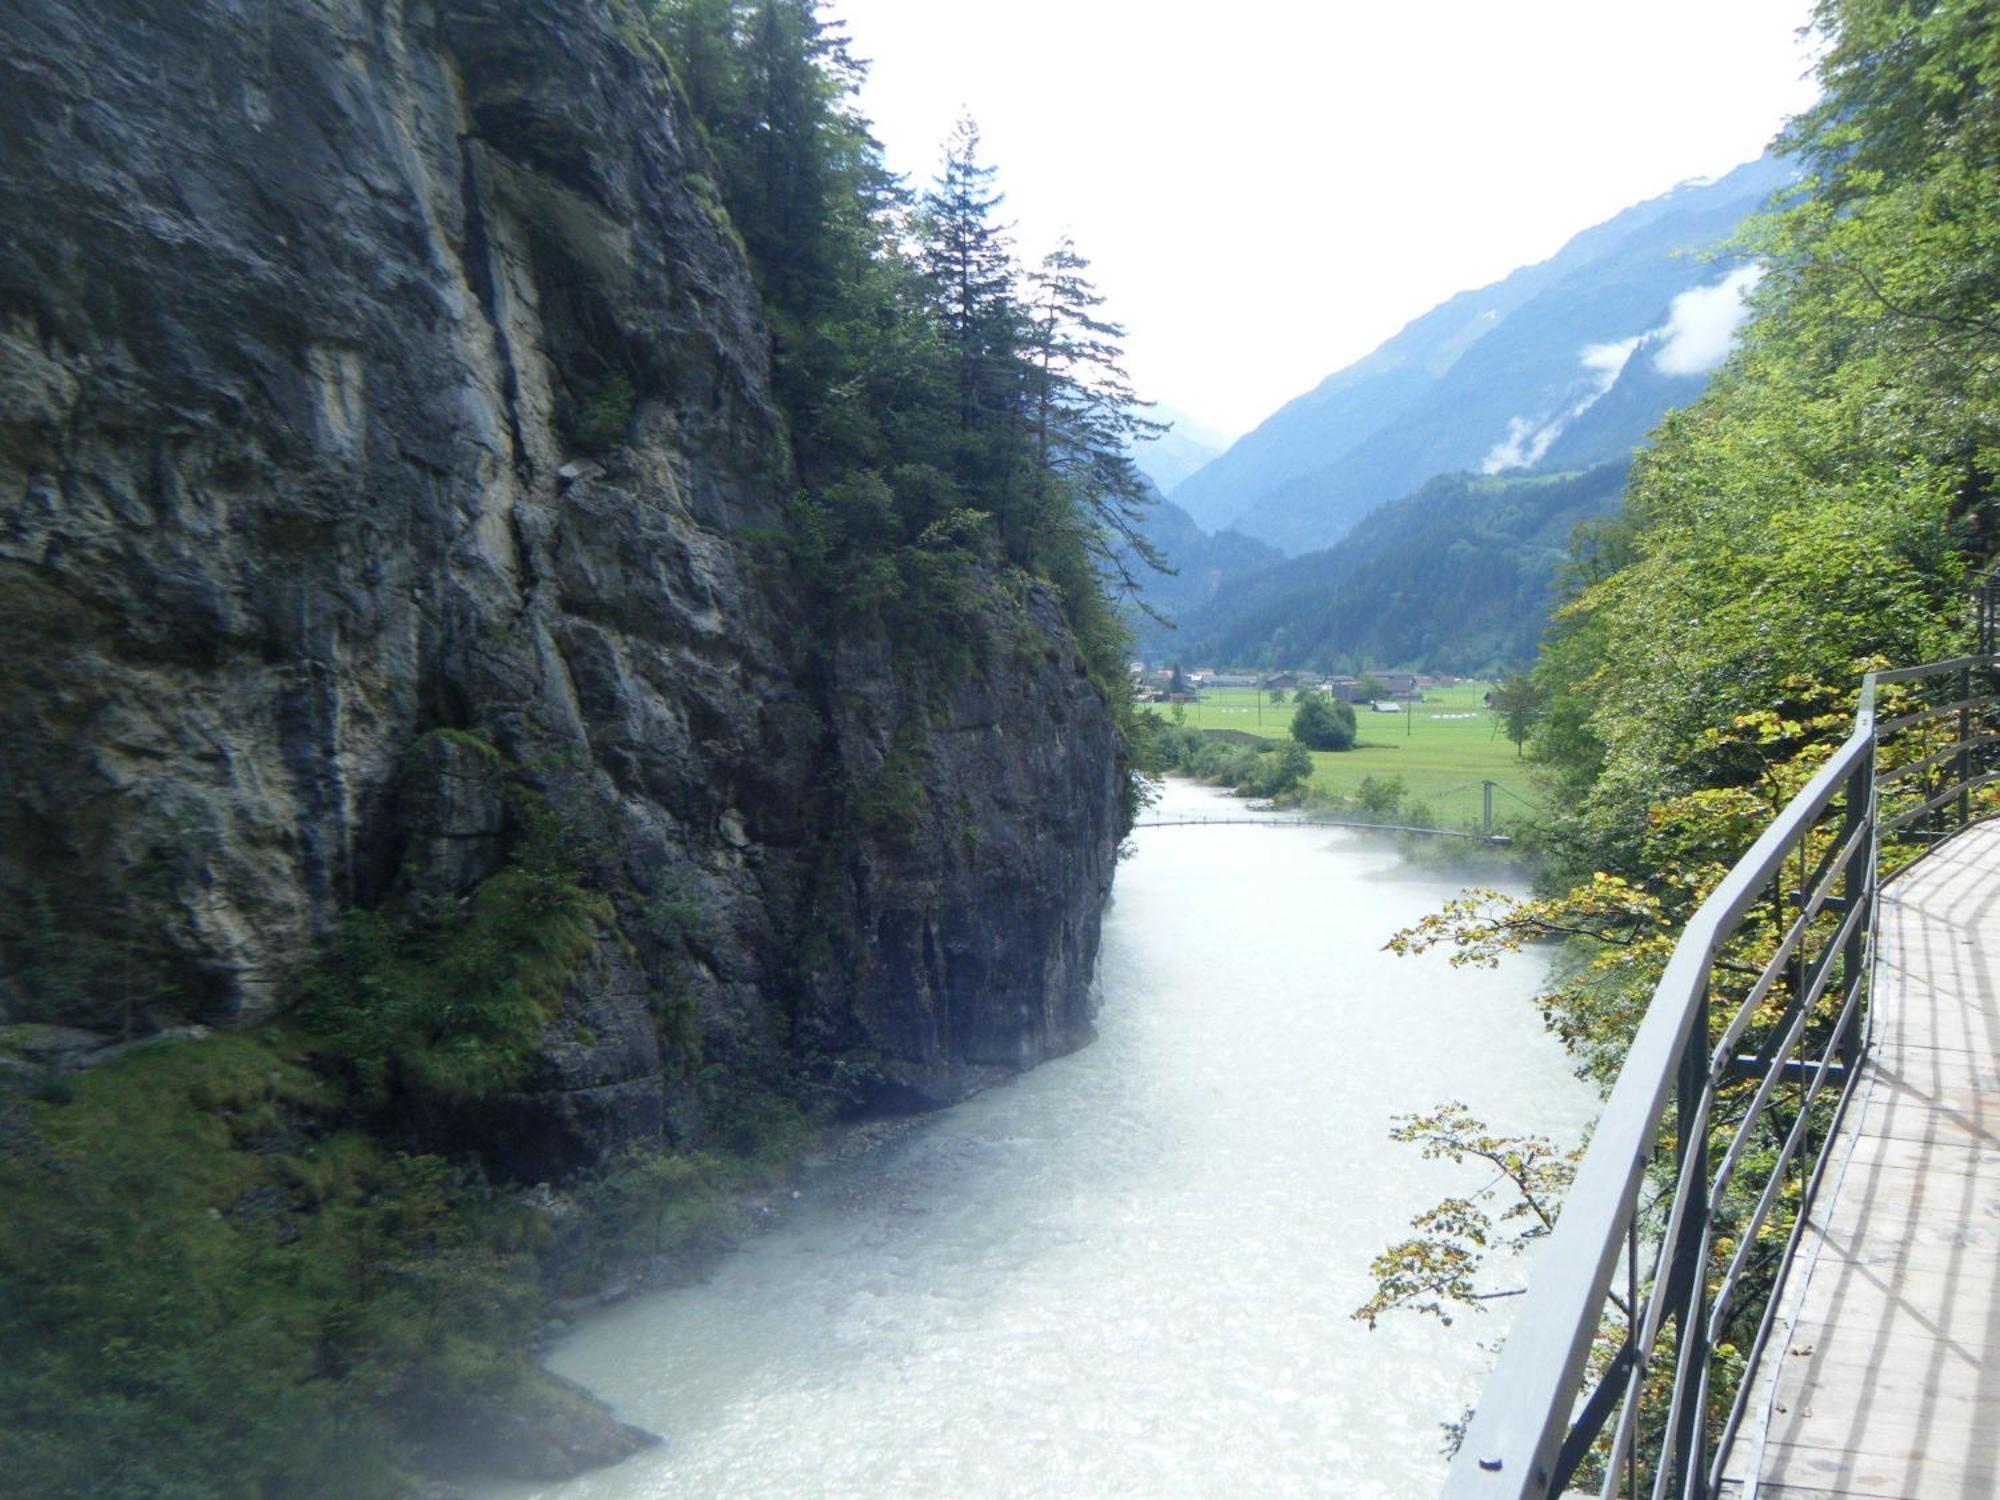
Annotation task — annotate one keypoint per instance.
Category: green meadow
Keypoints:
(1442, 747)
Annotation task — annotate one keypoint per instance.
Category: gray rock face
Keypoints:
(301, 306)
(453, 813)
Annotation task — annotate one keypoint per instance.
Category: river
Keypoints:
(1129, 1272)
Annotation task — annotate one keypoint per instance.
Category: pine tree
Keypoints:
(969, 261)
(773, 85)
(932, 412)
(1086, 413)
(701, 36)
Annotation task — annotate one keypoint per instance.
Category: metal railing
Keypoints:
(1745, 1057)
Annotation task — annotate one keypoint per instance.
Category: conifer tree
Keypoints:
(1086, 413)
(969, 262)
(933, 413)
(701, 37)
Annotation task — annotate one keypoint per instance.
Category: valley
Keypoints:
(669, 823)
(1440, 752)
(1426, 495)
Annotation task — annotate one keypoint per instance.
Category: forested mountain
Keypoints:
(1563, 363)
(1203, 567)
(1455, 578)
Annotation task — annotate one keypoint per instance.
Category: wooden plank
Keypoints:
(1732, 1489)
(1884, 1380)
(1934, 1370)
(1915, 1211)
(1896, 1154)
(1848, 1472)
(1936, 1294)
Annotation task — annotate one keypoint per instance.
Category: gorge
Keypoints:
(568, 721)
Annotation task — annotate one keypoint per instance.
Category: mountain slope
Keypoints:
(1184, 449)
(1492, 377)
(1204, 567)
(1457, 577)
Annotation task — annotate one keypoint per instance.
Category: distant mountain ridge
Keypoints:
(1184, 449)
(1562, 364)
(1458, 577)
(1205, 567)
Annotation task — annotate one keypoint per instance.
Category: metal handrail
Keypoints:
(1535, 1423)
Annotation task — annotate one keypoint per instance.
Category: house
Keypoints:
(1231, 680)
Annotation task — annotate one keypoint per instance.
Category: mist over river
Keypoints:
(1129, 1272)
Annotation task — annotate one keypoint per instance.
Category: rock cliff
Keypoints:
(384, 429)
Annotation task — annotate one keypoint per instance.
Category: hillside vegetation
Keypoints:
(1820, 507)
(1818, 511)
(1458, 577)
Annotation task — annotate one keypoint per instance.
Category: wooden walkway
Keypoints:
(1887, 1382)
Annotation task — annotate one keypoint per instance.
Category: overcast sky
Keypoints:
(1267, 189)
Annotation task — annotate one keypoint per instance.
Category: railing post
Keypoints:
(1857, 887)
(1964, 761)
(1690, 1269)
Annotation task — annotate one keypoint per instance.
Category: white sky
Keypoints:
(1267, 189)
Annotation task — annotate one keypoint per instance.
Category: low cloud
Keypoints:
(1700, 331)
(1701, 328)
(1607, 362)
(1529, 438)
(1524, 444)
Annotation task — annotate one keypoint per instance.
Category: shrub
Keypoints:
(211, 1290)
(1282, 769)
(1322, 724)
(1380, 796)
(451, 997)
(604, 412)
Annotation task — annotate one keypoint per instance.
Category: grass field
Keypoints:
(1442, 748)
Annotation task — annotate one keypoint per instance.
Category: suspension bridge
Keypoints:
(1485, 833)
(1777, 1272)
